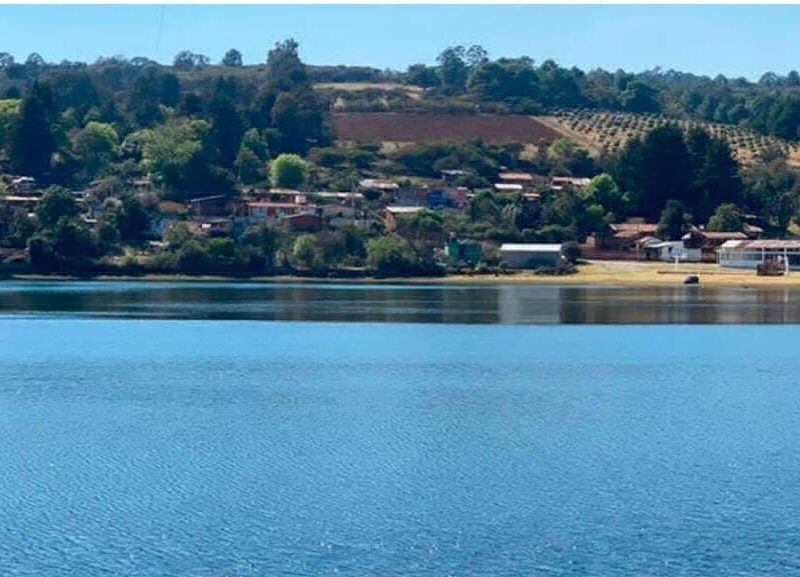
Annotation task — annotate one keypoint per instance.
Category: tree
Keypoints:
(10, 110)
(390, 256)
(187, 60)
(715, 174)
(301, 119)
(57, 203)
(34, 60)
(305, 250)
(423, 230)
(639, 97)
(422, 75)
(674, 222)
(96, 144)
(453, 69)
(264, 241)
(23, 228)
(132, 219)
(566, 158)
(232, 59)
(227, 128)
(288, 171)
(248, 165)
(285, 70)
(727, 218)
(656, 169)
(32, 141)
(603, 191)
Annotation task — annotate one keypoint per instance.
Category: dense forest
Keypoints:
(196, 128)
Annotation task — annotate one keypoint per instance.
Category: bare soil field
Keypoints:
(399, 127)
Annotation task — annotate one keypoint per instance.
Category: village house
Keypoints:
(140, 185)
(302, 222)
(566, 182)
(285, 195)
(459, 252)
(377, 186)
(624, 235)
(11, 206)
(710, 241)
(670, 250)
(450, 175)
(265, 211)
(215, 226)
(752, 231)
(211, 205)
(23, 185)
(521, 178)
(391, 214)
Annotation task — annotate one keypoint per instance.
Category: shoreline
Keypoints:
(594, 273)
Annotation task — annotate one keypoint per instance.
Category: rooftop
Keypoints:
(515, 176)
(507, 187)
(788, 244)
(404, 209)
(513, 247)
(378, 184)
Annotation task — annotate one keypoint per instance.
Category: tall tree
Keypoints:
(232, 59)
(656, 169)
(285, 70)
(453, 69)
(32, 142)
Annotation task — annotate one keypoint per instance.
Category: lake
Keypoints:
(161, 430)
(498, 304)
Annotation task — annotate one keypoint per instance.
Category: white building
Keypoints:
(531, 255)
(674, 250)
(751, 253)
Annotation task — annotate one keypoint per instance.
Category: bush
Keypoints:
(390, 256)
(192, 258)
(571, 251)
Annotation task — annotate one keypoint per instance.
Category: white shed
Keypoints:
(531, 255)
(672, 250)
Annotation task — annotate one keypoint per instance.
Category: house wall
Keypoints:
(522, 259)
(667, 254)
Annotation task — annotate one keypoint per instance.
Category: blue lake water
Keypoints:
(142, 446)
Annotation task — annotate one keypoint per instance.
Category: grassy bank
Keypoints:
(596, 273)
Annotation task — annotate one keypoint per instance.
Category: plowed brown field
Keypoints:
(399, 127)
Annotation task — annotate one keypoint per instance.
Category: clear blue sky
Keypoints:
(732, 40)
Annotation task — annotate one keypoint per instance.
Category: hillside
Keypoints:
(598, 131)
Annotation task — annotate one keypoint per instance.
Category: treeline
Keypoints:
(72, 124)
(462, 79)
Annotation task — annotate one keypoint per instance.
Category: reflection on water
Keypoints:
(504, 304)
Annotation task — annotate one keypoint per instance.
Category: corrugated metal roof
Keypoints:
(788, 244)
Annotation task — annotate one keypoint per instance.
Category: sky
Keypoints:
(712, 39)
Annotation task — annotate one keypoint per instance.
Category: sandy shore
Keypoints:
(631, 273)
(594, 273)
